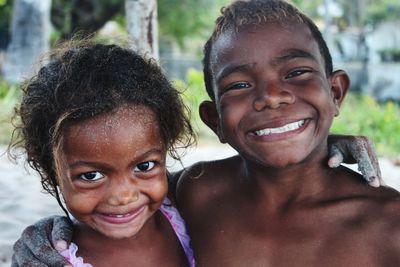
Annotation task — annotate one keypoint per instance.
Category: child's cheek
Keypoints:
(80, 204)
(82, 200)
(157, 192)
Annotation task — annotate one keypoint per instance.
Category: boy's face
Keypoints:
(273, 101)
(113, 175)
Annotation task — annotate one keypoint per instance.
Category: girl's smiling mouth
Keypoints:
(121, 218)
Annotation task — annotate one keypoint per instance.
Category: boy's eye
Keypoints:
(91, 176)
(296, 73)
(145, 166)
(237, 86)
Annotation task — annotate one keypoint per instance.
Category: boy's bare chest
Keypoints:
(312, 239)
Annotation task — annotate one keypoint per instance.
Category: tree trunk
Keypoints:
(30, 32)
(141, 16)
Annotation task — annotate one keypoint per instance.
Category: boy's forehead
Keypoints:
(262, 37)
(266, 28)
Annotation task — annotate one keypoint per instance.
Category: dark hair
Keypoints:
(254, 12)
(83, 80)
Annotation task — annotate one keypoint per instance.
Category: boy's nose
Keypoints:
(272, 96)
(123, 193)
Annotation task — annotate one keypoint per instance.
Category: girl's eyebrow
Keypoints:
(83, 163)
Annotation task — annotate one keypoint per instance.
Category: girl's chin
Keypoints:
(119, 234)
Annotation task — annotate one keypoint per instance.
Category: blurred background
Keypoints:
(363, 36)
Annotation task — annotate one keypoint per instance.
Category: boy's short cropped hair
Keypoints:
(254, 12)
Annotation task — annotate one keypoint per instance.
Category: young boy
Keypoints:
(274, 95)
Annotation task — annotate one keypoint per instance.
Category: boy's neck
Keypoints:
(296, 182)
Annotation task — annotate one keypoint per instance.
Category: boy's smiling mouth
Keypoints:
(283, 129)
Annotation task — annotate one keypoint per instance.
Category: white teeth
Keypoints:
(286, 128)
(118, 215)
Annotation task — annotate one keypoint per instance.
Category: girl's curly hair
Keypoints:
(83, 80)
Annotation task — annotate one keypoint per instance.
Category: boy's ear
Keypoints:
(209, 115)
(340, 83)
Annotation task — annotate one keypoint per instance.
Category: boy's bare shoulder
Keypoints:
(379, 206)
(391, 202)
(387, 214)
(206, 180)
(382, 198)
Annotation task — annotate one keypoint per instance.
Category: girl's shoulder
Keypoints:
(70, 255)
(179, 227)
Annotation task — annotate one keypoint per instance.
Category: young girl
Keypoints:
(97, 123)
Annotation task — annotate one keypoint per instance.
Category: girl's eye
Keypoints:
(296, 73)
(145, 166)
(91, 176)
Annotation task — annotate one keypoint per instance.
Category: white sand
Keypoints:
(22, 201)
(21, 204)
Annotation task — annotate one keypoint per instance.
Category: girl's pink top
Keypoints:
(177, 223)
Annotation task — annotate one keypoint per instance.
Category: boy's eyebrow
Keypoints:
(230, 69)
(292, 54)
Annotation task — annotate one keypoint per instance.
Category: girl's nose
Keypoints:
(272, 96)
(123, 193)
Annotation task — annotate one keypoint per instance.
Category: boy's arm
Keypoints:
(173, 178)
(355, 149)
(34, 248)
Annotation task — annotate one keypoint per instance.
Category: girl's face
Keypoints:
(112, 171)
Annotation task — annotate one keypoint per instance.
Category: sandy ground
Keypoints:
(22, 201)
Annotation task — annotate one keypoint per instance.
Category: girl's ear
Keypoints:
(209, 115)
(340, 83)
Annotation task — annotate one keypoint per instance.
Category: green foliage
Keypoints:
(182, 19)
(355, 13)
(86, 17)
(309, 7)
(378, 11)
(362, 115)
(389, 54)
(5, 15)
(9, 97)
(194, 92)
(178, 19)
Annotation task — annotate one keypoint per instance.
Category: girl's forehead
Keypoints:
(127, 127)
(131, 113)
(135, 116)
